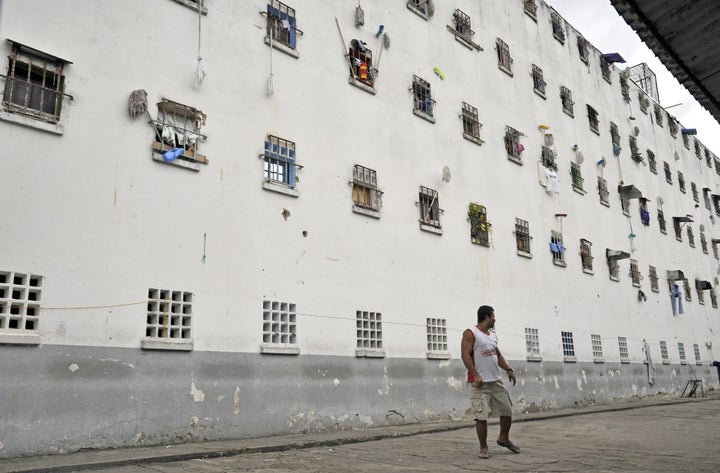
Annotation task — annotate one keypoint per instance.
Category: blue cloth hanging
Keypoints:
(172, 154)
(613, 57)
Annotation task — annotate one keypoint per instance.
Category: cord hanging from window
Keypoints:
(201, 69)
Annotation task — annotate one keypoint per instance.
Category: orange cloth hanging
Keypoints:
(363, 70)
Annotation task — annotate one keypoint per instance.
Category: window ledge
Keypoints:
(280, 188)
(540, 93)
(362, 86)
(579, 190)
(588, 271)
(282, 47)
(615, 278)
(636, 284)
(515, 159)
(534, 358)
(55, 128)
(626, 213)
(569, 359)
(595, 130)
(430, 229)
(468, 43)
(173, 344)
(665, 362)
(664, 232)
(438, 355)
(424, 116)
(182, 163)
(655, 289)
(370, 353)
(684, 362)
(569, 113)
(598, 360)
(606, 204)
(506, 70)
(23, 337)
(367, 212)
(280, 348)
(559, 263)
(699, 363)
(422, 15)
(625, 361)
(524, 254)
(701, 302)
(474, 139)
(192, 5)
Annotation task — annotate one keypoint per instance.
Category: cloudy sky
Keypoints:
(600, 24)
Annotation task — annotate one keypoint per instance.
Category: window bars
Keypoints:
(471, 125)
(605, 70)
(681, 182)
(659, 112)
(567, 101)
(479, 226)
(662, 224)
(557, 27)
(603, 192)
(538, 81)
(568, 344)
(614, 134)
(586, 257)
(280, 166)
(462, 25)
(522, 236)
(596, 347)
(634, 273)
(179, 126)
(668, 173)
(593, 119)
(281, 23)
(361, 63)
(504, 59)
(365, 192)
(652, 162)
(512, 142)
(422, 95)
(576, 175)
(557, 248)
(583, 49)
(531, 9)
(429, 207)
(652, 275)
(547, 157)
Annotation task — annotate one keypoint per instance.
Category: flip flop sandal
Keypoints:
(484, 454)
(510, 446)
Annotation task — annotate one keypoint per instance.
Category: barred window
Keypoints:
(365, 193)
(605, 69)
(522, 236)
(531, 9)
(622, 345)
(659, 113)
(504, 59)
(280, 166)
(547, 157)
(613, 269)
(644, 214)
(583, 49)
(661, 221)
(603, 192)
(471, 125)
(673, 127)
(567, 101)
(532, 342)
(420, 7)
(652, 274)
(634, 273)
(686, 140)
(557, 27)
(634, 150)
(652, 162)
(668, 173)
(713, 298)
(35, 83)
(698, 151)
(694, 190)
(691, 236)
(597, 348)
(576, 174)
(706, 197)
(361, 63)
(462, 26)
(479, 225)
(700, 293)
(281, 25)
(624, 205)
(677, 226)
(538, 81)
(696, 349)
(624, 86)
(593, 120)
(644, 102)
(568, 346)
(179, 130)
(681, 352)
(586, 255)
(423, 101)
(687, 289)
(703, 242)
(664, 352)
(557, 248)
(614, 134)
(429, 207)
(513, 147)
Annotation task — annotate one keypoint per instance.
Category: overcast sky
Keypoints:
(600, 24)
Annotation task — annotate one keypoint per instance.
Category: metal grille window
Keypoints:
(614, 134)
(567, 101)
(622, 345)
(696, 349)
(279, 157)
(668, 173)
(522, 236)
(568, 345)
(691, 236)
(512, 143)
(557, 27)
(652, 162)
(576, 174)
(586, 255)
(659, 113)
(422, 96)
(694, 190)
(673, 127)
(420, 7)
(713, 298)
(369, 329)
(703, 242)
(429, 207)
(593, 120)
(583, 49)
(479, 226)
(605, 69)
(365, 193)
(34, 84)
(279, 323)
(717, 167)
(661, 221)
(644, 102)
(706, 197)
(644, 214)
(538, 81)
(471, 125)
(20, 298)
(664, 352)
(624, 205)
(281, 23)
(698, 152)
(716, 253)
(686, 140)
(462, 25)
(532, 342)
(531, 9)
(681, 352)
(614, 269)
(169, 314)
(634, 150)
(361, 63)
(699, 291)
(652, 274)
(436, 335)
(596, 342)
(547, 157)
(708, 158)
(687, 289)
(677, 226)
(603, 192)
(504, 59)
(624, 87)
(179, 127)
(634, 273)
(557, 248)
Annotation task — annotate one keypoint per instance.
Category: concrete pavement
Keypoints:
(662, 433)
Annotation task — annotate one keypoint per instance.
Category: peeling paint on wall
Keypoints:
(557, 385)
(74, 367)
(583, 376)
(455, 383)
(579, 384)
(236, 400)
(336, 381)
(198, 396)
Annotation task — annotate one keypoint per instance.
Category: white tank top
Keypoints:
(485, 355)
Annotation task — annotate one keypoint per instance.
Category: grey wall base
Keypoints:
(59, 399)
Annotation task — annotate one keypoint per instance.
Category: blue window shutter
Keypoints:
(293, 24)
(291, 168)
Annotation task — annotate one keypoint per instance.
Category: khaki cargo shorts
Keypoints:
(490, 396)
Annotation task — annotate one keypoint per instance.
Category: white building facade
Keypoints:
(297, 242)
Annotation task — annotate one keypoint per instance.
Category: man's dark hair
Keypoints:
(484, 312)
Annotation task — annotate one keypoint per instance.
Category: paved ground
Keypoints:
(651, 435)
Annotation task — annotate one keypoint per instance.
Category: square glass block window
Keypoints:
(20, 297)
(532, 342)
(568, 344)
(279, 323)
(369, 329)
(622, 345)
(596, 347)
(169, 314)
(664, 350)
(436, 335)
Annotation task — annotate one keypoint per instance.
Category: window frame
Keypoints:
(568, 347)
(513, 147)
(538, 81)
(532, 344)
(480, 228)
(276, 13)
(586, 257)
(652, 275)
(605, 70)
(522, 238)
(583, 50)
(603, 191)
(566, 101)
(593, 120)
(623, 350)
(471, 124)
(173, 308)
(596, 344)
(359, 55)
(635, 273)
(429, 205)
(578, 182)
(505, 60)
(173, 132)
(423, 103)
(558, 29)
(369, 339)
(367, 198)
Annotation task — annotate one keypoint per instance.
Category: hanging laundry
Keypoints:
(359, 45)
(356, 61)
(616, 149)
(676, 300)
(552, 184)
(172, 154)
(286, 24)
(650, 364)
(363, 70)
(380, 30)
(645, 217)
(520, 148)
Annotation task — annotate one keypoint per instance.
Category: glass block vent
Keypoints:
(436, 334)
(169, 314)
(369, 329)
(532, 341)
(20, 295)
(664, 350)
(567, 344)
(623, 347)
(596, 346)
(279, 322)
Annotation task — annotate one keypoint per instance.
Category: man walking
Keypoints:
(483, 361)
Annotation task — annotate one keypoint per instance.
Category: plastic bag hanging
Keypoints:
(200, 72)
